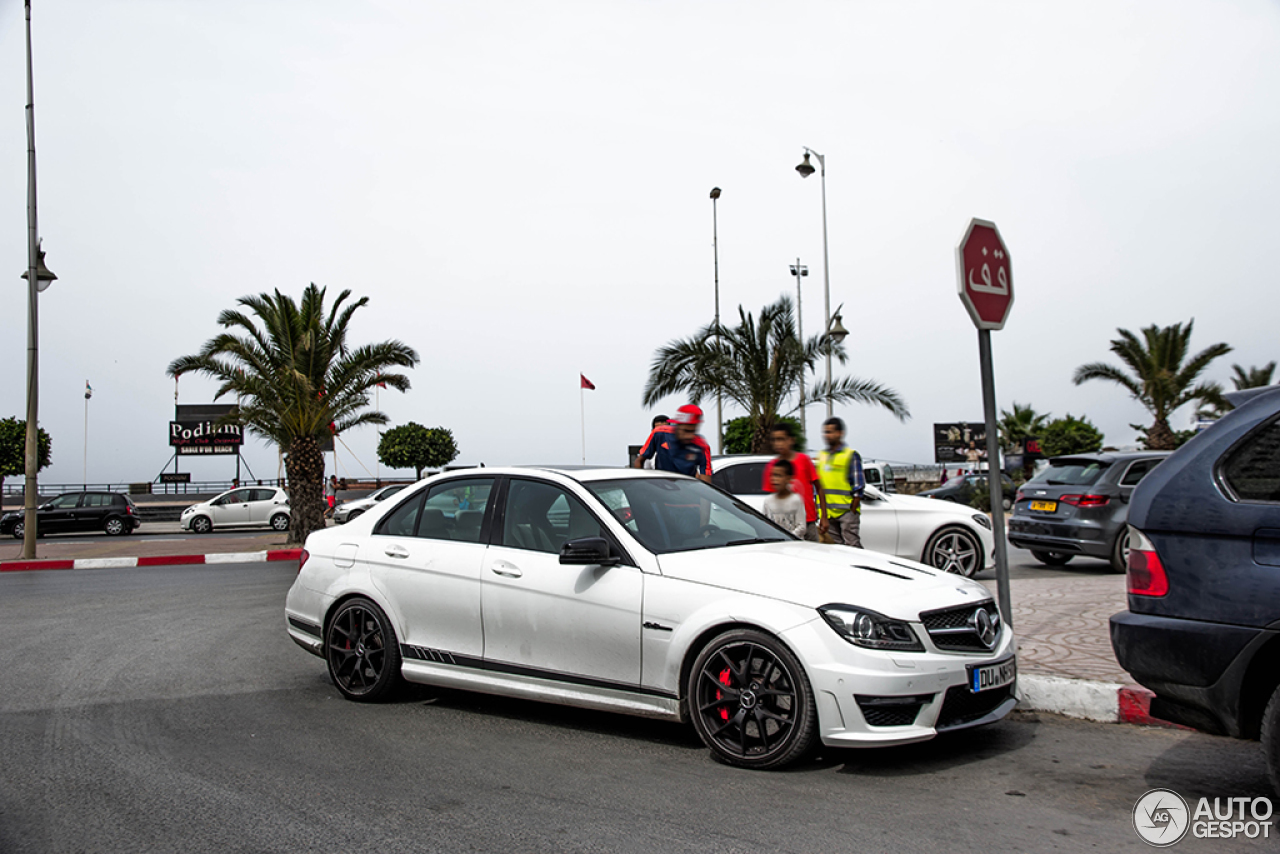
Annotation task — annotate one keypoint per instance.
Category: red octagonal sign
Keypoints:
(986, 275)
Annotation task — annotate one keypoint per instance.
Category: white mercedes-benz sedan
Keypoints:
(939, 533)
(652, 594)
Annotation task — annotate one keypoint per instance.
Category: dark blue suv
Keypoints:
(1203, 626)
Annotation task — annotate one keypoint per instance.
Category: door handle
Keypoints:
(397, 552)
(509, 570)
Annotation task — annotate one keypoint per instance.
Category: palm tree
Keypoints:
(1162, 379)
(1016, 426)
(758, 366)
(1254, 377)
(298, 380)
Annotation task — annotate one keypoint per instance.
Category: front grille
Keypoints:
(951, 629)
(962, 706)
(891, 711)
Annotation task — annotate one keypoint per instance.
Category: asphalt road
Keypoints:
(164, 709)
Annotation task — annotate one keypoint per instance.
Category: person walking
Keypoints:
(784, 508)
(677, 447)
(331, 494)
(840, 472)
(658, 421)
(804, 478)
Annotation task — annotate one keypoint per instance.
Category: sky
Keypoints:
(521, 189)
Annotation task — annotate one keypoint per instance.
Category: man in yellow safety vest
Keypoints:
(840, 473)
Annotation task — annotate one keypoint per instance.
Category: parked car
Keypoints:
(939, 534)
(1203, 626)
(111, 512)
(255, 505)
(879, 475)
(652, 594)
(1078, 505)
(959, 489)
(348, 510)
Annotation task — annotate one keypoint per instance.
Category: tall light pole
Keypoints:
(798, 270)
(806, 169)
(715, 251)
(38, 278)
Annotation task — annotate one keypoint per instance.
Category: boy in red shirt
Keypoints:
(804, 478)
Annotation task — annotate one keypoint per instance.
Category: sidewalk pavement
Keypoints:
(1065, 662)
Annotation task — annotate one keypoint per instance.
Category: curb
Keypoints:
(1107, 702)
(156, 560)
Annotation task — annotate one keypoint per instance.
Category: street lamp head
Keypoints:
(802, 270)
(44, 276)
(715, 192)
(837, 332)
(806, 168)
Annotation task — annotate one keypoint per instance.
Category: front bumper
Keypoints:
(869, 698)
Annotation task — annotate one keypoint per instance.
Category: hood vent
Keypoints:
(881, 571)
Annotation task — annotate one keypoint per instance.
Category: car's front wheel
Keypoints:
(19, 530)
(354, 514)
(280, 522)
(201, 525)
(361, 649)
(114, 526)
(751, 702)
(1271, 738)
(1053, 558)
(954, 550)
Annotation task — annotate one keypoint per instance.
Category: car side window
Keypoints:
(541, 517)
(742, 479)
(454, 510)
(1137, 471)
(97, 500)
(403, 520)
(1252, 468)
(63, 502)
(262, 494)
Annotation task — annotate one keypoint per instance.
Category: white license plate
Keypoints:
(991, 676)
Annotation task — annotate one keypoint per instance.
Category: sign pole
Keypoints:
(995, 480)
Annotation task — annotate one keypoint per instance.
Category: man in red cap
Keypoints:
(676, 446)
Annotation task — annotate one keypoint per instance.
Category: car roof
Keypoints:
(1112, 456)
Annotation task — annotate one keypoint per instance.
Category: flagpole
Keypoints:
(582, 407)
(377, 463)
(86, 435)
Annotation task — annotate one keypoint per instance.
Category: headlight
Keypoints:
(868, 629)
(984, 521)
(189, 511)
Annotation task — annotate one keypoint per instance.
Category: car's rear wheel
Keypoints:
(1120, 552)
(954, 550)
(361, 649)
(1052, 558)
(280, 522)
(114, 526)
(1271, 738)
(201, 525)
(751, 702)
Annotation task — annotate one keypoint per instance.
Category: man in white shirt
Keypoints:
(782, 506)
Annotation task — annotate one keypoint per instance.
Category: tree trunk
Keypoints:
(1160, 437)
(305, 470)
(762, 435)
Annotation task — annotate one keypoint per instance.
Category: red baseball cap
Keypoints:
(688, 414)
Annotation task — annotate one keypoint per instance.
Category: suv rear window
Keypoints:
(1252, 469)
(1068, 472)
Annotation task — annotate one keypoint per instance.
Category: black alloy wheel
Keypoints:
(114, 526)
(363, 655)
(201, 525)
(751, 702)
(280, 522)
(954, 550)
(1052, 558)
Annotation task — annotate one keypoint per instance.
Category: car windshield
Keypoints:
(680, 514)
(1070, 473)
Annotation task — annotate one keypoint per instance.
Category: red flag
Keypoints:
(586, 383)
(381, 384)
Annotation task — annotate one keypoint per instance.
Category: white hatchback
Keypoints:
(652, 594)
(941, 534)
(247, 506)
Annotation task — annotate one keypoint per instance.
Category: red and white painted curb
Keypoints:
(1109, 702)
(155, 560)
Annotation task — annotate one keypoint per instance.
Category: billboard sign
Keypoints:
(961, 443)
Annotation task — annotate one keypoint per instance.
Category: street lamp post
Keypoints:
(806, 169)
(715, 251)
(38, 278)
(798, 270)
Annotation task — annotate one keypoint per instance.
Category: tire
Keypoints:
(201, 525)
(114, 526)
(362, 652)
(1271, 738)
(1119, 559)
(280, 522)
(750, 701)
(954, 550)
(1006, 502)
(19, 530)
(1053, 558)
(354, 514)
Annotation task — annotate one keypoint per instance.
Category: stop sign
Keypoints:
(986, 275)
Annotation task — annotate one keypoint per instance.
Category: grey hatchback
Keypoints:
(1079, 505)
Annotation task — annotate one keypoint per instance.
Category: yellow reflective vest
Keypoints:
(833, 474)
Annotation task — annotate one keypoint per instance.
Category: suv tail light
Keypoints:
(302, 559)
(1146, 576)
(1085, 500)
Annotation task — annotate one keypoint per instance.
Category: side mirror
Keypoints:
(588, 551)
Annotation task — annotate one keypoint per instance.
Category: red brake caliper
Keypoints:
(724, 680)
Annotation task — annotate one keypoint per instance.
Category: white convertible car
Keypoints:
(652, 594)
(941, 534)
